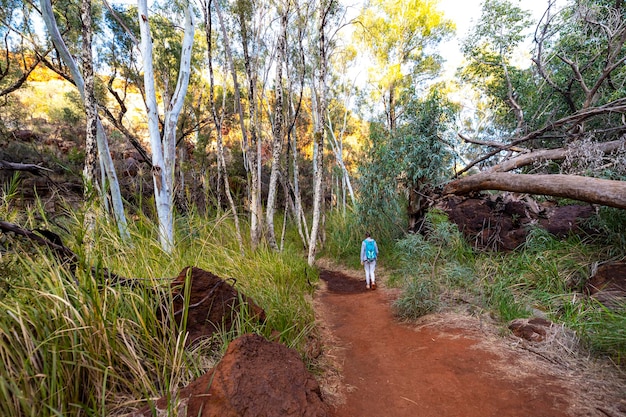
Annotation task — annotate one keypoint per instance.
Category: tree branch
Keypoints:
(64, 254)
(499, 145)
(617, 106)
(16, 166)
(551, 155)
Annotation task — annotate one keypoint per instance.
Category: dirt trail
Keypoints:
(446, 367)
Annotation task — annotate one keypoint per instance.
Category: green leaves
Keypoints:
(410, 158)
(491, 50)
(501, 28)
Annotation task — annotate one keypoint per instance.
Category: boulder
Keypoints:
(608, 285)
(254, 378)
(501, 222)
(213, 303)
(533, 330)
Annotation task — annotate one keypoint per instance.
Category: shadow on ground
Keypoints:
(340, 283)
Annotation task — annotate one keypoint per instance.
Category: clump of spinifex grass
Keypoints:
(429, 264)
(71, 349)
(76, 345)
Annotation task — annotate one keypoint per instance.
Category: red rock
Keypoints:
(213, 303)
(254, 378)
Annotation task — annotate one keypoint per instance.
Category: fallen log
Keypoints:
(16, 166)
(592, 190)
(64, 254)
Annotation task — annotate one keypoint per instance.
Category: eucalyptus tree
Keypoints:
(164, 147)
(298, 71)
(326, 11)
(413, 160)
(577, 112)
(119, 55)
(248, 16)
(339, 114)
(91, 108)
(22, 50)
(218, 120)
(101, 138)
(399, 38)
(580, 55)
(278, 131)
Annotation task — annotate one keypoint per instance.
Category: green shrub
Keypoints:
(418, 299)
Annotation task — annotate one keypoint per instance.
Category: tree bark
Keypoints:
(217, 121)
(164, 152)
(278, 130)
(592, 190)
(337, 148)
(254, 148)
(303, 229)
(318, 162)
(551, 155)
(91, 149)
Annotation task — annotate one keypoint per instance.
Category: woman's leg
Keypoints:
(372, 275)
(366, 265)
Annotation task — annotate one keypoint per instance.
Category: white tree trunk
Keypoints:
(277, 145)
(164, 153)
(250, 151)
(318, 162)
(337, 148)
(222, 174)
(303, 228)
(101, 138)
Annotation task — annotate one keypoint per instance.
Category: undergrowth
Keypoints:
(346, 231)
(74, 344)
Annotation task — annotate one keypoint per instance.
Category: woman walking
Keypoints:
(369, 253)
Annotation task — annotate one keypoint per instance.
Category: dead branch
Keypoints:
(498, 145)
(64, 254)
(16, 166)
(617, 106)
(551, 155)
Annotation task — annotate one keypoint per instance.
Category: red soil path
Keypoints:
(439, 369)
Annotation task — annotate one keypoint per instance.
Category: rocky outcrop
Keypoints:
(502, 222)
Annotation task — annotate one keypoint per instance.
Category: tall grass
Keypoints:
(79, 346)
(345, 232)
(428, 264)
